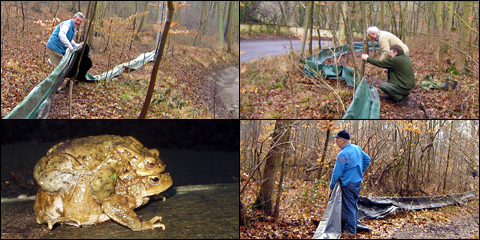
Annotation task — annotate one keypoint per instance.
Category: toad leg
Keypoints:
(120, 209)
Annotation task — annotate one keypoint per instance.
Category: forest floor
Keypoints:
(182, 88)
(273, 86)
(303, 205)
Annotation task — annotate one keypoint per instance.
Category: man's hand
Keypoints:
(329, 191)
(71, 49)
(364, 57)
(385, 71)
(81, 43)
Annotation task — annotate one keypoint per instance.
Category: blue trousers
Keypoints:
(350, 194)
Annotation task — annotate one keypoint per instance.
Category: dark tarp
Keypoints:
(377, 207)
(84, 66)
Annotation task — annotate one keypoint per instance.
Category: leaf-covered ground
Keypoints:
(303, 205)
(181, 89)
(273, 86)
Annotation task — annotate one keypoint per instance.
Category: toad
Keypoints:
(104, 158)
(77, 206)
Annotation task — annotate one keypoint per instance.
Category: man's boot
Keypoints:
(402, 102)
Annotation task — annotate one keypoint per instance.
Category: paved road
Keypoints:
(264, 48)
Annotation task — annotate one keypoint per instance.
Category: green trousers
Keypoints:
(395, 92)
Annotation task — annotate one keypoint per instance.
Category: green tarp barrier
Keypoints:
(37, 103)
(366, 102)
(119, 69)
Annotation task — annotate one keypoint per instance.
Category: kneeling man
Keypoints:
(401, 80)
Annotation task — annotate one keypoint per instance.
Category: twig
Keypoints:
(448, 44)
(425, 110)
(460, 17)
(324, 82)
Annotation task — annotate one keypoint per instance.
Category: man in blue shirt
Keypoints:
(351, 162)
(62, 38)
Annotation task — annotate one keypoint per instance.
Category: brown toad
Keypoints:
(104, 158)
(77, 207)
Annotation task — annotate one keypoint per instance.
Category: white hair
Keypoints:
(78, 14)
(372, 30)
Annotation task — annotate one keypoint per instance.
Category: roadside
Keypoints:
(273, 86)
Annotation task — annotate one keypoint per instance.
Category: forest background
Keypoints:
(196, 48)
(442, 37)
(286, 167)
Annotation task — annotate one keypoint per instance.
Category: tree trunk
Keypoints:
(203, 19)
(439, 30)
(448, 25)
(310, 37)
(341, 38)
(158, 59)
(403, 21)
(365, 43)
(306, 26)
(349, 31)
(324, 153)
(280, 137)
(230, 26)
(461, 59)
(142, 21)
(220, 9)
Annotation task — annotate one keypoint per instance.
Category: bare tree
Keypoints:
(280, 137)
(158, 59)
(142, 20)
(461, 59)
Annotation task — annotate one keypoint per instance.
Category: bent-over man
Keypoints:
(385, 41)
(62, 38)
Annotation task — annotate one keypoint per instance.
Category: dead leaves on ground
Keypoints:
(303, 204)
(264, 97)
(24, 66)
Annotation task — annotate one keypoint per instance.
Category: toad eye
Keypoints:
(154, 180)
(150, 164)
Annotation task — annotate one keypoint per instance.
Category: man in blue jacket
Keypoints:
(62, 38)
(351, 162)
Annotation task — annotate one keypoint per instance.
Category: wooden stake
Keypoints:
(70, 100)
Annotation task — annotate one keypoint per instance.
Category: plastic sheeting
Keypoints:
(314, 64)
(379, 207)
(376, 208)
(119, 69)
(366, 102)
(330, 227)
(37, 103)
